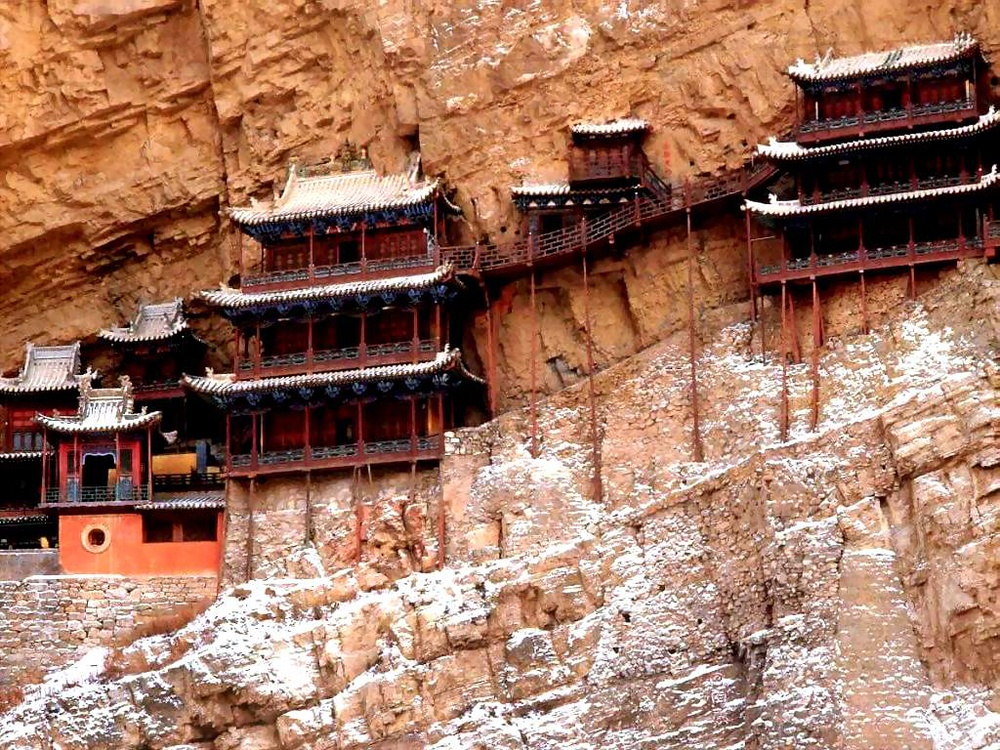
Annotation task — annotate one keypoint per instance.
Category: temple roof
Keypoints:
(790, 150)
(224, 385)
(20, 455)
(102, 410)
(919, 55)
(151, 323)
(776, 207)
(194, 500)
(236, 298)
(563, 194)
(26, 518)
(338, 194)
(46, 368)
(621, 126)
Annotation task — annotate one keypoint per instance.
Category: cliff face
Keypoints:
(838, 590)
(834, 591)
(128, 125)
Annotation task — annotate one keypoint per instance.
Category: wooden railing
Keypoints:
(132, 493)
(865, 259)
(363, 355)
(666, 200)
(889, 119)
(401, 450)
(194, 480)
(991, 237)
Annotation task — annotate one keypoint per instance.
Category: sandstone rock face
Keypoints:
(832, 591)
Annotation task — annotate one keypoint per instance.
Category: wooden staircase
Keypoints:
(665, 202)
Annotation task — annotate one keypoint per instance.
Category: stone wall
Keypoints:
(385, 521)
(48, 621)
(18, 564)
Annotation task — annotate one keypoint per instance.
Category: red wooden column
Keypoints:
(416, 337)
(698, 454)
(594, 442)
(251, 501)
(312, 256)
(413, 426)
(817, 334)
(911, 253)
(364, 257)
(149, 460)
(254, 437)
(45, 462)
(750, 270)
(784, 364)
(118, 462)
(864, 304)
(533, 406)
(239, 253)
(363, 345)
(491, 380)
(308, 437)
(309, 344)
(229, 443)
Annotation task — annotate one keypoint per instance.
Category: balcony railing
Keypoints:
(122, 493)
(331, 274)
(335, 456)
(194, 480)
(356, 356)
(887, 188)
(869, 259)
(888, 119)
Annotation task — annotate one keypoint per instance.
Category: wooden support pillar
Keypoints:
(254, 435)
(413, 425)
(312, 253)
(310, 532)
(236, 356)
(364, 256)
(45, 464)
(750, 269)
(817, 335)
(784, 417)
(533, 406)
(911, 252)
(442, 531)
(229, 443)
(416, 336)
(796, 344)
(358, 514)
(595, 446)
(118, 463)
(239, 254)
(257, 350)
(698, 454)
(149, 462)
(491, 367)
(864, 304)
(309, 343)
(251, 500)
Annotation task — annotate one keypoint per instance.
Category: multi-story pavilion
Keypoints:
(48, 382)
(893, 165)
(342, 350)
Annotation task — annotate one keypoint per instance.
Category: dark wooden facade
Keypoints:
(342, 338)
(891, 167)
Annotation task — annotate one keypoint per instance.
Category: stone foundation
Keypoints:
(48, 621)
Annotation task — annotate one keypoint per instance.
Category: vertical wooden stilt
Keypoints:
(817, 342)
(913, 283)
(594, 443)
(356, 492)
(784, 364)
(534, 367)
(491, 362)
(796, 343)
(442, 538)
(310, 534)
(697, 452)
(864, 305)
(251, 500)
(750, 271)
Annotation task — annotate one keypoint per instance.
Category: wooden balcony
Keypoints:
(76, 496)
(351, 357)
(869, 259)
(364, 269)
(867, 123)
(588, 165)
(402, 450)
(888, 188)
(161, 389)
(991, 237)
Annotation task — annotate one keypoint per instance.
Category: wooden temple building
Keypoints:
(343, 343)
(47, 383)
(99, 480)
(893, 165)
(607, 168)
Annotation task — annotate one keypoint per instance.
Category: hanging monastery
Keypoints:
(351, 301)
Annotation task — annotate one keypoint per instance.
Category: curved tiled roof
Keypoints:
(338, 194)
(101, 410)
(236, 298)
(222, 385)
(46, 368)
(918, 55)
(185, 501)
(21, 455)
(790, 150)
(794, 208)
(24, 518)
(621, 126)
(151, 323)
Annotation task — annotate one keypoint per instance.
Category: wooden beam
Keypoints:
(864, 304)
(698, 453)
(784, 366)
(533, 406)
(250, 527)
(491, 367)
(598, 491)
(817, 342)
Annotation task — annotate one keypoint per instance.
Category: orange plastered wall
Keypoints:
(126, 554)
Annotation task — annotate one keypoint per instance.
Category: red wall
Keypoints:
(127, 554)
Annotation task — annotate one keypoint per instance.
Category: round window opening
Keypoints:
(96, 539)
